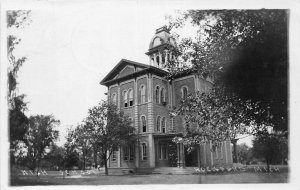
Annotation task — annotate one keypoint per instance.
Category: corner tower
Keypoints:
(158, 49)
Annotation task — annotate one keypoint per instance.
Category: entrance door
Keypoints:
(191, 158)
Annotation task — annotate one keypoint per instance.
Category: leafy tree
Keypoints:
(245, 50)
(55, 157)
(71, 157)
(271, 146)
(244, 153)
(17, 119)
(245, 53)
(40, 136)
(108, 129)
(83, 144)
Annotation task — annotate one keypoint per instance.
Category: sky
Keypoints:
(70, 47)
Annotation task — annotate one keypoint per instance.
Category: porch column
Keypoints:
(151, 151)
(180, 155)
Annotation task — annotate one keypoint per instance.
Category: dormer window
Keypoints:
(157, 60)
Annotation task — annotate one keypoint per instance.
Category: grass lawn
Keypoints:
(18, 180)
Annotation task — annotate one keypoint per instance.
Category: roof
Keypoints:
(110, 77)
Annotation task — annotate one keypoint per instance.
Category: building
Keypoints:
(142, 92)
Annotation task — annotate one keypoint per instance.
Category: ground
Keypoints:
(18, 180)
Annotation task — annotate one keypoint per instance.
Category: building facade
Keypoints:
(142, 92)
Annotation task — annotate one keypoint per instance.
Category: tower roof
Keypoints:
(162, 37)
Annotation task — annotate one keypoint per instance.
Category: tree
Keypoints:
(245, 50)
(108, 129)
(40, 136)
(17, 119)
(271, 146)
(70, 156)
(242, 51)
(83, 144)
(244, 153)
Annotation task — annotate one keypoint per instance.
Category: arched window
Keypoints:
(144, 151)
(114, 98)
(143, 94)
(158, 124)
(163, 125)
(125, 98)
(162, 96)
(144, 126)
(184, 92)
(130, 97)
(157, 94)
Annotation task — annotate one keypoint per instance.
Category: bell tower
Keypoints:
(158, 49)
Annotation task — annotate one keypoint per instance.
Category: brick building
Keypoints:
(142, 92)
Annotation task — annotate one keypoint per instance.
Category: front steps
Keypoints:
(174, 170)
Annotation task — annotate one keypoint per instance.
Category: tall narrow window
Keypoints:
(158, 124)
(157, 94)
(144, 126)
(163, 125)
(143, 94)
(162, 96)
(114, 98)
(144, 151)
(125, 98)
(126, 152)
(130, 97)
(131, 152)
(184, 92)
(163, 59)
(157, 60)
(114, 156)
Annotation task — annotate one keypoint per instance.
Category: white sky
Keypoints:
(71, 48)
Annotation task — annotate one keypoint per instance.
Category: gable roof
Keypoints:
(110, 77)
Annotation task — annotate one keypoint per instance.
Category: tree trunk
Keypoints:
(105, 163)
(83, 163)
(95, 157)
(235, 157)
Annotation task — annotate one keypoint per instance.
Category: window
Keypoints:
(162, 96)
(114, 156)
(130, 97)
(163, 125)
(184, 92)
(143, 94)
(131, 152)
(163, 59)
(158, 124)
(128, 152)
(114, 98)
(157, 94)
(125, 98)
(157, 60)
(144, 151)
(144, 126)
